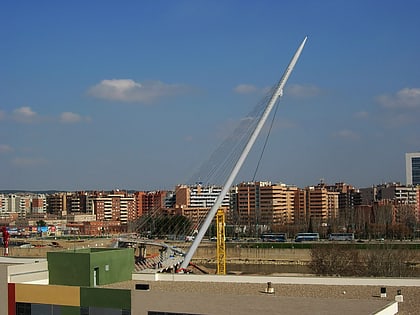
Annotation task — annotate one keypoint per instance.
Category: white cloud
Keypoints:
(404, 99)
(361, 115)
(301, 91)
(28, 162)
(245, 89)
(346, 134)
(24, 114)
(5, 148)
(285, 124)
(127, 90)
(69, 117)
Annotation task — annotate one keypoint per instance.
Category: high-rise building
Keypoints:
(412, 168)
(115, 206)
(198, 196)
(264, 204)
(57, 204)
(39, 203)
(195, 201)
(151, 202)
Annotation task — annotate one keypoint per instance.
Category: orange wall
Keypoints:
(47, 294)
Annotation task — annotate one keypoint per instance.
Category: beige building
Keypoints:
(264, 204)
(322, 205)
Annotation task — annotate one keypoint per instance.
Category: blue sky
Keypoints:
(137, 94)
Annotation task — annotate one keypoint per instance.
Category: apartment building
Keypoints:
(391, 191)
(195, 201)
(263, 204)
(151, 201)
(4, 213)
(57, 204)
(198, 196)
(322, 203)
(39, 204)
(317, 203)
(20, 205)
(115, 206)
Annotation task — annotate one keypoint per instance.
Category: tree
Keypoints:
(41, 223)
(336, 259)
(148, 225)
(310, 226)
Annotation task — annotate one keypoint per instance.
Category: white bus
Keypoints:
(349, 237)
(307, 237)
(274, 237)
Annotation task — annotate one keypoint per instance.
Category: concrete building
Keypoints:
(198, 196)
(57, 204)
(4, 205)
(412, 168)
(349, 198)
(68, 284)
(195, 201)
(39, 204)
(21, 205)
(116, 206)
(400, 196)
(317, 203)
(151, 201)
(264, 204)
(41, 288)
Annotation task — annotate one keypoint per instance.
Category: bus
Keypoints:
(307, 237)
(274, 237)
(349, 237)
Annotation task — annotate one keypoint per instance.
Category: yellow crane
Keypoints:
(221, 245)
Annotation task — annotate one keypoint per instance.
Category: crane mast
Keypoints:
(278, 92)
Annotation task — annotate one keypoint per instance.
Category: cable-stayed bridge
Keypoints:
(224, 165)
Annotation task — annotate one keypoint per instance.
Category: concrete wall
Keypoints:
(35, 272)
(3, 290)
(256, 254)
(31, 272)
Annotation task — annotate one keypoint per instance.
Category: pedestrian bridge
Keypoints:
(168, 258)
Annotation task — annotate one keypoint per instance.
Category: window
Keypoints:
(23, 308)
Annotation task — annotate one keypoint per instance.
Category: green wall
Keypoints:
(69, 268)
(70, 310)
(76, 268)
(106, 298)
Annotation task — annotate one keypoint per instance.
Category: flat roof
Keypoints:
(207, 297)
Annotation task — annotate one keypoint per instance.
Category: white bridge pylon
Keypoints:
(278, 92)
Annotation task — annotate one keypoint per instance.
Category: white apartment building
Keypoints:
(198, 196)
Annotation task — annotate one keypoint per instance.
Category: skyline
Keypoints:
(101, 95)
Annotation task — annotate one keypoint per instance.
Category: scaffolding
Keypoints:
(221, 245)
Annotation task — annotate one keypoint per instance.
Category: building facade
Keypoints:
(412, 168)
(261, 205)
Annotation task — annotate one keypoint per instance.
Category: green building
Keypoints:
(74, 277)
(90, 267)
